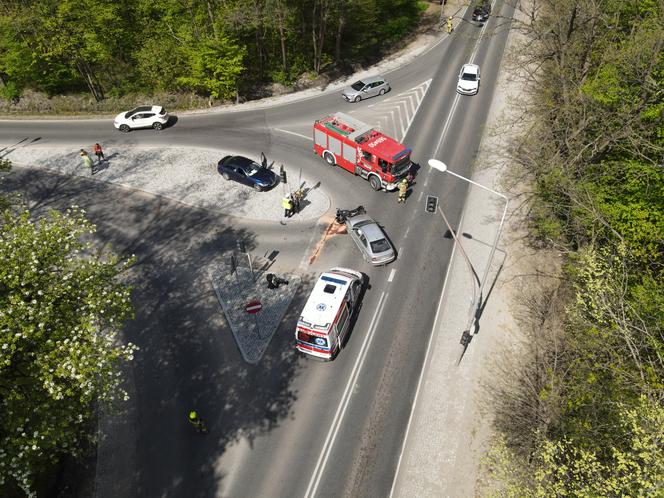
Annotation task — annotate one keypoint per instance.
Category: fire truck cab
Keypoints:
(325, 320)
(359, 148)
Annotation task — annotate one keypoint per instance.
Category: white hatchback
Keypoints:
(469, 79)
(153, 116)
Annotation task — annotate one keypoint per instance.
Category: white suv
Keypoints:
(153, 116)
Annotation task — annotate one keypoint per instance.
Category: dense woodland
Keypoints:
(583, 415)
(213, 48)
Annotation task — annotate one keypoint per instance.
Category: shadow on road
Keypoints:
(188, 358)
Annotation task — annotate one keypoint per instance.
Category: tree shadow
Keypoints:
(188, 358)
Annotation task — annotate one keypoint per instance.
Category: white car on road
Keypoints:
(153, 116)
(469, 79)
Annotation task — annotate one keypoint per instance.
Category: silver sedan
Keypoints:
(370, 238)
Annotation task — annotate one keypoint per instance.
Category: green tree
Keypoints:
(216, 66)
(559, 468)
(62, 306)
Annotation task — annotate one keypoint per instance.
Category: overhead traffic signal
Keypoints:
(432, 203)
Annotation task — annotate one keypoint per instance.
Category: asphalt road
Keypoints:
(288, 426)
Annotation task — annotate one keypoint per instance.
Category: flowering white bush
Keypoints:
(62, 306)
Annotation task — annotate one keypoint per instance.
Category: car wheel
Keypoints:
(157, 126)
(329, 158)
(225, 175)
(124, 128)
(382, 91)
(256, 187)
(357, 99)
(374, 181)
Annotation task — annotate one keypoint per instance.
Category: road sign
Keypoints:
(253, 307)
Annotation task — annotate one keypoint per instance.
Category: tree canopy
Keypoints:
(62, 306)
(588, 396)
(211, 47)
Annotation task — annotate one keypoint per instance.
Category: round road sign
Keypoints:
(253, 307)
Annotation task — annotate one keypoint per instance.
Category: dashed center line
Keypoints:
(391, 277)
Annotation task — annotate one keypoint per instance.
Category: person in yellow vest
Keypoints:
(287, 204)
(197, 422)
(87, 161)
(449, 25)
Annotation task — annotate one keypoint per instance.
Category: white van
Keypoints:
(325, 320)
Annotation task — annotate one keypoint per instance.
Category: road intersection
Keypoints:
(286, 426)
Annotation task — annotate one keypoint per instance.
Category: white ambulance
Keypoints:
(325, 320)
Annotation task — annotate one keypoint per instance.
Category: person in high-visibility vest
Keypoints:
(197, 422)
(87, 161)
(287, 204)
(450, 27)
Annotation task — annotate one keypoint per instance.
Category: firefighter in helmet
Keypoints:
(403, 188)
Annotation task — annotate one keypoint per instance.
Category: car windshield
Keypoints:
(311, 339)
(381, 245)
(469, 77)
(358, 85)
(362, 223)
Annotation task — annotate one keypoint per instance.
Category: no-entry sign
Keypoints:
(253, 307)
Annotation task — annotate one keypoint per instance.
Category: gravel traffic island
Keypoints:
(187, 175)
(253, 308)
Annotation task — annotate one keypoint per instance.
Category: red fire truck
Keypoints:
(357, 147)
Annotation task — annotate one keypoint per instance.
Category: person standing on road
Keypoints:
(287, 204)
(87, 161)
(403, 188)
(197, 422)
(98, 152)
(297, 197)
(450, 27)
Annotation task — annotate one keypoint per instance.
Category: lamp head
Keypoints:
(439, 165)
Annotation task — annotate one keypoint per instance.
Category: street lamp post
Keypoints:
(473, 275)
(441, 166)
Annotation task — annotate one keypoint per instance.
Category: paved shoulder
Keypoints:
(186, 175)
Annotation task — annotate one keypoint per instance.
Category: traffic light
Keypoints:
(432, 203)
(282, 174)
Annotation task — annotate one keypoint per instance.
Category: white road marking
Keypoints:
(448, 122)
(391, 277)
(293, 133)
(343, 404)
(424, 363)
(419, 198)
(412, 118)
(442, 293)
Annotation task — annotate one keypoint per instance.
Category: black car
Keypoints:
(481, 13)
(248, 172)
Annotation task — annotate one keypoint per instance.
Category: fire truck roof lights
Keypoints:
(401, 154)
